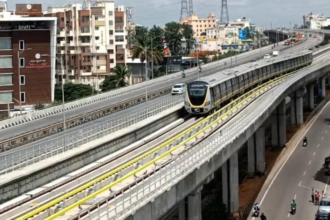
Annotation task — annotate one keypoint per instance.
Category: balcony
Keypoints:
(60, 34)
(85, 33)
(84, 43)
(120, 51)
(119, 31)
(75, 52)
(101, 62)
(99, 23)
(86, 63)
(73, 44)
(85, 73)
(61, 44)
(61, 52)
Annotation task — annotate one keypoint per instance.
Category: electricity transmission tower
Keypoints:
(191, 8)
(224, 12)
(184, 9)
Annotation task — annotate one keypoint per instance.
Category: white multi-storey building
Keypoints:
(91, 41)
(315, 21)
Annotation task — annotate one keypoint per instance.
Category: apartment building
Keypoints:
(199, 25)
(91, 40)
(315, 21)
(27, 58)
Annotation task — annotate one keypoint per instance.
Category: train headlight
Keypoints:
(207, 103)
(186, 103)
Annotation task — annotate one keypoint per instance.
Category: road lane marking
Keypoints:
(310, 162)
(318, 145)
(288, 215)
(326, 186)
(304, 173)
(314, 154)
(298, 143)
(300, 183)
(326, 131)
(322, 138)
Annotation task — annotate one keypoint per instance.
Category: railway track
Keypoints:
(201, 128)
(28, 137)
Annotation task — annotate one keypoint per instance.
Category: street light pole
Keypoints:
(145, 53)
(63, 99)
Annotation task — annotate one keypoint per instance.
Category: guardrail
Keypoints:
(175, 169)
(186, 162)
(186, 138)
(78, 120)
(19, 158)
(34, 135)
(103, 96)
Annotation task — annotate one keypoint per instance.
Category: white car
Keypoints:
(267, 56)
(178, 88)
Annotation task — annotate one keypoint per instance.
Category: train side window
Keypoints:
(228, 83)
(216, 90)
(223, 87)
(233, 81)
(250, 76)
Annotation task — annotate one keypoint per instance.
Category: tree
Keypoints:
(173, 37)
(141, 31)
(72, 92)
(188, 34)
(117, 79)
(156, 33)
(203, 55)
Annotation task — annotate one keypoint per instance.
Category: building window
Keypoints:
(22, 97)
(6, 97)
(85, 19)
(120, 57)
(98, 67)
(110, 51)
(22, 80)
(119, 38)
(97, 38)
(21, 45)
(5, 43)
(110, 13)
(110, 23)
(111, 42)
(97, 57)
(6, 79)
(111, 32)
(6, 62)
(118, 19)
(85, 30)
(112, 61)
(96, 18)
(97, 48)
(97, 28)
(21, 62)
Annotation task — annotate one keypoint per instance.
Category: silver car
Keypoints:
(178, 88)
(324, 208)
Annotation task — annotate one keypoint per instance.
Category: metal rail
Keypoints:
(31, 136)
(18, 158)
(199, 130)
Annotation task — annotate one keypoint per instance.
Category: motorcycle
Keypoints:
(256, 213)
(183, 75)
(293, 210)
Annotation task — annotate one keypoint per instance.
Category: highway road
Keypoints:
(242, 58)
(301, 172)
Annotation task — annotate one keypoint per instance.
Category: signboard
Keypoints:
(29, 9)
(38, 63)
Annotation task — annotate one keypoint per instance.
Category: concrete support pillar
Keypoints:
(297, 114)
(279, 125)
(251, 155)
(311, 96)
(182, 210)
(260, 149)
(234, 184)
(225, 185)
(195, 205)
(323, 89)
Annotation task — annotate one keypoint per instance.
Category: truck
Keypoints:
(276, 53)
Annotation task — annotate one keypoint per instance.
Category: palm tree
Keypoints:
(144, 48)
(117, 79)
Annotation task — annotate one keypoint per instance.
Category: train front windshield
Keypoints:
(197, 92)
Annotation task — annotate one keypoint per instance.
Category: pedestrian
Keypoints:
(313, 195)
(318, 196)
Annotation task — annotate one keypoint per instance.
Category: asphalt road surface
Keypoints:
(242, 58)
(296, 177)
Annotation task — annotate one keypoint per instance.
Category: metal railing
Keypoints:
(18, 158)
(146, 189)
(103, 96)
(185, 138)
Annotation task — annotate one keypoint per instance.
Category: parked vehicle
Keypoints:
(276, 53)
(178, 88)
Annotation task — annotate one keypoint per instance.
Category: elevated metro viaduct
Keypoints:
(276, 36)
(186, 194)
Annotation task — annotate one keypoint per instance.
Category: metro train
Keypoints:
(210, 93)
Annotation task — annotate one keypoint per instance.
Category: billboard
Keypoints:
(38, 63)
(242, 34)
(29, 9)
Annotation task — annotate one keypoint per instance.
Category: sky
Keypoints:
(261, 12)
